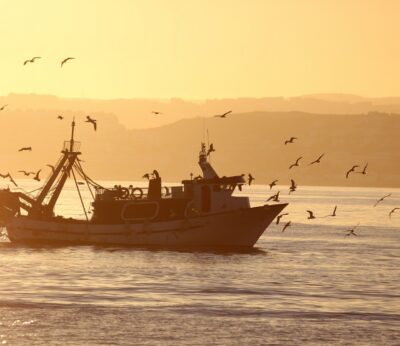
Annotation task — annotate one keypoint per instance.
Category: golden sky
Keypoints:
(200, 49)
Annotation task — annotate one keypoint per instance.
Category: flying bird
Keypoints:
(25, 149)
(26, 173)
(32, 60)
(381, 199)
(146, 176)
(351, 170)
(279, 217)
(288, 224)
(250, 179)
(292, 187)
(222, 115)
(3, 107)
(291, 140)
(310, 215)
(296, 164)
(52, 167)
(351, 231)
(156, 113)
(210, 149)
(392, 211)
(37, 175)
(92, 121)
(272, 184)
(274, 198)
(65, 60)
(317, 160)
(60, 117)
(364, 171)
(334, 212)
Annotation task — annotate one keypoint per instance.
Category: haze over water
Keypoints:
(310, 285)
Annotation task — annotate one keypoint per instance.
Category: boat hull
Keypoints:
(239, 228)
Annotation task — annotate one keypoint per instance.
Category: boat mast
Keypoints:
(62, 171)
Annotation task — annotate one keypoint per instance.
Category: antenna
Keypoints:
(208, 145)
(72, 135)
(204, 129)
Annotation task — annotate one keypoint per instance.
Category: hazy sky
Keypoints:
(200, 49)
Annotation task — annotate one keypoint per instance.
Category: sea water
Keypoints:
(309, 285)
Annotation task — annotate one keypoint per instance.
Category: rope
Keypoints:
(80, 196)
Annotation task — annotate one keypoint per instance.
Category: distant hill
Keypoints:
(248, 142)
(137, 113)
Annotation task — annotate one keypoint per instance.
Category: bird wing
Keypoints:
(227, 113)
(297, 161)
(95, 125)
(311, 213)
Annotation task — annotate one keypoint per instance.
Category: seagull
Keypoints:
(392, 211)
(65, 60)
(311, 215)
(25, 149)
(274, 198)
(60, 117)
(93, 121)
(250, 178)
(288, 224)
(222, 115)
(292, 187)
(334, 211)
(381, 199)
(210, 149)
(32, 60)
(156, 113)
(272, 184)
(147, 176)
(351, 231)
(52, 167)
(156, 174)
(364, 171)
(37, 175)
(351, 170)
(317, 160)
(279, 217)
(26, 173)
(296, 164)
(3, 107)
(291, 140)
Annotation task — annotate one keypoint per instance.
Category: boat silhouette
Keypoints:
(202, 212)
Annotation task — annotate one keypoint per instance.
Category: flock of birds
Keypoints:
(293, 186)
(211, 149)
(311, 215)
(36, 175)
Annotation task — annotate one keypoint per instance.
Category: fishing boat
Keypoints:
(201, 212)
